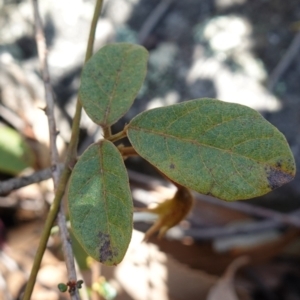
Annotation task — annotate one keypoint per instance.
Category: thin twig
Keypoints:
(291, 219)
(83, 291)
(70, 159)
(253, 210)
(9, 185)
(152, 20)
(289, 56)
(61, 220)
(209, 233)
(149, 182)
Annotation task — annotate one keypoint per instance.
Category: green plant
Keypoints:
(222, 149)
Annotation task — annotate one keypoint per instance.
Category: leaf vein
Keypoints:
(195, 143)
(237, 171)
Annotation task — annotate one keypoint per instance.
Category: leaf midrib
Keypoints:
(230, 152)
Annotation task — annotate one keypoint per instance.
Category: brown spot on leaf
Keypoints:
(172, 166)
(277, 178)
(106, 253)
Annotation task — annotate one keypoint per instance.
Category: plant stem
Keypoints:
(70, 160)
(15, 183)
(56, 171)
(118, 136)
(107, 132)
(90, 45)
(127, 151)
(46, 232)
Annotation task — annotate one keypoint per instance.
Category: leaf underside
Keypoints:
(100, 203)
(111, 80)
(222, 149)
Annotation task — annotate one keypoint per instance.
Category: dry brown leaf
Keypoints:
(224, 288)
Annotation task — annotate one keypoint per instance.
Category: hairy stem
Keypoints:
(70, 160)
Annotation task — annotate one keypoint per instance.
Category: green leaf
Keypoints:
(100, 203)
(223, 149)
(79, 253)
(15, 155)
(111, 80)
(62, 287)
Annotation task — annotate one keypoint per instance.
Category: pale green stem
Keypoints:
(107, 132)
(70, 160)
(118, 136)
